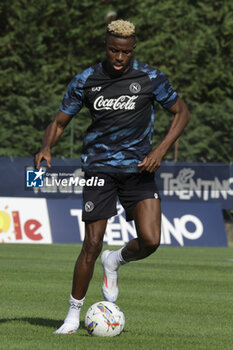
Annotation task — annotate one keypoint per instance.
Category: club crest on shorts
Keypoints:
(89, 206)
(135, 88)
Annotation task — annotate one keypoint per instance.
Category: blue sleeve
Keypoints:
(74, 95)
(162, 90)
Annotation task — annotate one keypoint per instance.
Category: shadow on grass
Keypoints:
(46, 322)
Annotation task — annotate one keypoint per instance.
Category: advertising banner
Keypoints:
(179, 182)
(44, 206)
(24, 220)
(182, 225)
(28, 220)
(193, 224)
(196, 182)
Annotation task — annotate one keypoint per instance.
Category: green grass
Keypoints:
(178, 298)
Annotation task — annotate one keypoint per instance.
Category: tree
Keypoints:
(44, 44)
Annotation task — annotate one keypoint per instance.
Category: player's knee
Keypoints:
(151, 244)
(152, 247)
(92, 249)
(149, 249)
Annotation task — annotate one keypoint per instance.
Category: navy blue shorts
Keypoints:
(99, 201)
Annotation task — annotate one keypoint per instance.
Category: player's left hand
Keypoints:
(151, 162)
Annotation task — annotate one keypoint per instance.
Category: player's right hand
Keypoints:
(42, 155)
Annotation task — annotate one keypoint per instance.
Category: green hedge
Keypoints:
(44, 43)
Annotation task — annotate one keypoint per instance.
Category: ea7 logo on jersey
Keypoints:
(96, 88)
(135, 88)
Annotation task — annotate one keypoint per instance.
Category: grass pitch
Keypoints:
(178, 298)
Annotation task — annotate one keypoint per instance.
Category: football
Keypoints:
(104, 319)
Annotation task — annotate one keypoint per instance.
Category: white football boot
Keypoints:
(72, 320)
(110, 285)
(67, 328)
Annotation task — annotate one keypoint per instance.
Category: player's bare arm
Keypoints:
(51, 136)
(181, 117)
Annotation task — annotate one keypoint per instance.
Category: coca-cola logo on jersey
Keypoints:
(123, 102)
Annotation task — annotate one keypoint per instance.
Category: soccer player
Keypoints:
(120, 94)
